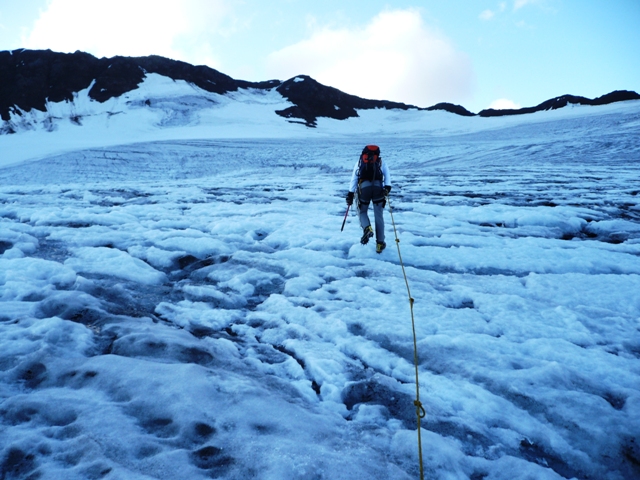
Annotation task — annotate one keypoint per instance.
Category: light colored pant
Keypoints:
(371, 192)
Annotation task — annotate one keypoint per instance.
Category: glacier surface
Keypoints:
(177, 299)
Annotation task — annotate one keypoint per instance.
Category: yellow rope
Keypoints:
(420, 411)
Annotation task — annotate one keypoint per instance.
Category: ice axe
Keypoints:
(345, 217)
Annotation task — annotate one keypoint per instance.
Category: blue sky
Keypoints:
(474, 53)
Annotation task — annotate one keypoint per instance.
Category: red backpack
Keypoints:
(370, 165)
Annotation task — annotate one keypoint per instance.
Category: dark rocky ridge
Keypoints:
(563, 101)
(30, 78)
(452, 108)
(312, 99)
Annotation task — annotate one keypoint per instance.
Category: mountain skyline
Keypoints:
(486, 54)
(30, 78)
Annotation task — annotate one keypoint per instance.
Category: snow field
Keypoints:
(190, 308)
(236, 307)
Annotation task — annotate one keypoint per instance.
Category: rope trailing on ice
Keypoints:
(420, 411)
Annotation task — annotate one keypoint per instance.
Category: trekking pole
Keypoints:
(345, 217)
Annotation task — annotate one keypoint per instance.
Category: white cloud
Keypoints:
(504, 104)
(129, 27)
(490, 14)
(395, 57)
(487, 15)
(518, 4)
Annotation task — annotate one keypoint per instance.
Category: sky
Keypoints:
(475, 53)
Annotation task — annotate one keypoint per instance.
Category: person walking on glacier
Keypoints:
(372, 181)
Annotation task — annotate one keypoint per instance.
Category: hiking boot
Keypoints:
(367, 234)
(380, 246)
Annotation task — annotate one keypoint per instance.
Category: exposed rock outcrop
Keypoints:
(563, 101)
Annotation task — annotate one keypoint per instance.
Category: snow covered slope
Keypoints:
(165, 109)
(177, 299)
